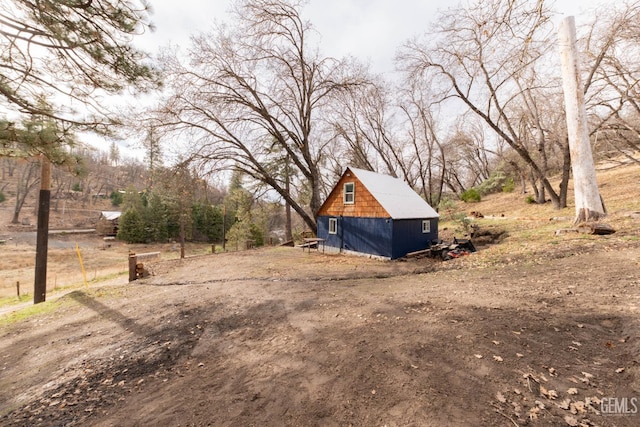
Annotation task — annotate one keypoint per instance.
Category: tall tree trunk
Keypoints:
(287, 207)
(589, 206)
(566, 174)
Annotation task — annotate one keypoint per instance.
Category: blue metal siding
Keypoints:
(408, 236)
(367, 235)
(378, 236)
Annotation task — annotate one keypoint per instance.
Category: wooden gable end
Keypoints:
(364, 205)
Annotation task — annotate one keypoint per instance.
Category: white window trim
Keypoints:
(353, 193)
(333, 221)
(427, 223)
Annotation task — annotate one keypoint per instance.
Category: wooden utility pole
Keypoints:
(589, 205)
(42, 239)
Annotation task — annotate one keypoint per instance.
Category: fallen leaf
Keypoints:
(587, 375)
(543, 391)
(580, 406)
(564, 404)
(496, 342)
(571, 421)
(478, 356)
(500, 397)
(497, 358)
(533, 413)
(573, 391)
(619, 370)
(373, 392)
(519, 354)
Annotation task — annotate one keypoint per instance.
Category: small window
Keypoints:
(426, 226)
(349, 193)
(333, 226)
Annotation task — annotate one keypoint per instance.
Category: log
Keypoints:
(595, 228)
(418, 253)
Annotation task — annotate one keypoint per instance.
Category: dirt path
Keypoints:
(281, 337)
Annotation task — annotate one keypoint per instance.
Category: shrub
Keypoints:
(116, 198)
(2, 197)
(509, 186)
(471, 195)
(493, 184)
(131, 227)
(530, 199)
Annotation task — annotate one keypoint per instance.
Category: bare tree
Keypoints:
(28, 179)
(364, 126)
(426, 156)
(491, 57)
(613, 95)
(250, 85)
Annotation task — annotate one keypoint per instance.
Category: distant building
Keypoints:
(376, 214)
(108, 223)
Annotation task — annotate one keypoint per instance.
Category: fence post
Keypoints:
(133, 262)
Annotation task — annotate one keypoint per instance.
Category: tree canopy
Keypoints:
(59, 58)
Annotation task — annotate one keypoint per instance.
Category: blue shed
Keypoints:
(375, 214)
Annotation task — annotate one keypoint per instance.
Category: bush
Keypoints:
(471, 195)
(2, 197)
(493, 184)
(509, 186)
(116, 198)
(131, 227)
(530, 200)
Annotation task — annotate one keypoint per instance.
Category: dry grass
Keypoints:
(531, 227)
(530, 231)
(17, 263)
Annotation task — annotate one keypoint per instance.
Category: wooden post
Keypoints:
(589, 206)
(18, 288)
(42, 237)
(224, 228)
(133, 263)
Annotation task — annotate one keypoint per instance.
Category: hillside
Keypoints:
(534, 329)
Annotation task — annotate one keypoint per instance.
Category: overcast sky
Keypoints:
(370, 30)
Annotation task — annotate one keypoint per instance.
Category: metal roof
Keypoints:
(111, 215)
(395, 195)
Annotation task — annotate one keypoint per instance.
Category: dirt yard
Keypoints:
(284, 337)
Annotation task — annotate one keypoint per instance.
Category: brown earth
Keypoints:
(533, 329)
(284, 337)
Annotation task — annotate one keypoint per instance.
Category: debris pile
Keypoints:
(445, 250)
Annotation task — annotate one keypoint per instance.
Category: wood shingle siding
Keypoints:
(365, 205)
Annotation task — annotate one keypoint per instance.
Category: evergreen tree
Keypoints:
(131, 227)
